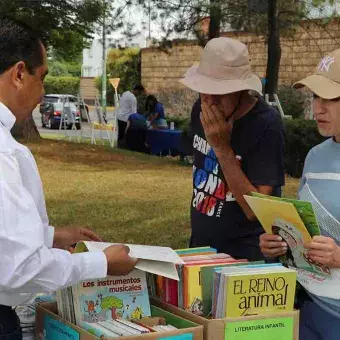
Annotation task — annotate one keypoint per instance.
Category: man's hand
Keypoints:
(272, 245)
(217, 130)
(69, 236)
(324, 250)
(118, 260)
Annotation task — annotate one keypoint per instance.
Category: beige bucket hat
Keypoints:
(325, 80)
(224, 68)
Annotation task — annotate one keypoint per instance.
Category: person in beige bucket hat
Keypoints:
(238, 143)
(224, 68)
(320, 185)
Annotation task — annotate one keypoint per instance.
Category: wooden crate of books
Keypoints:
(278, 326)
(49, 325)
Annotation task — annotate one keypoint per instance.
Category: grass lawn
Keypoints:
(124, 196)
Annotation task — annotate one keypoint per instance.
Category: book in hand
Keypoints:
(253, 290)
(93, 301)
(152, 259)
(295, 222)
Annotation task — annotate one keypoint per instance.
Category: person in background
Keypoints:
(320, 185)
(238, 142)
(155, 113)
(141, 97)
(32, 255)
(127, 106)
(136, 133)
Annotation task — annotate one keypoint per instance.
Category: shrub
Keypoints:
(123, 64)
(301, 136)
(61, 85)
(64, 69)
(294, 103)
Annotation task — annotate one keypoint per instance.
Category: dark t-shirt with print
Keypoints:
(216, 218)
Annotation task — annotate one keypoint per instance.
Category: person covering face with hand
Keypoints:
(320, 185)
(33, 258)
(238, 149)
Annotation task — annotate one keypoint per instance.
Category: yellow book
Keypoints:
(281, 218)
(193, 286)
(270, 212)
(259, 293)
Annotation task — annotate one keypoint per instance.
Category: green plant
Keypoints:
(64, 69)
(301, 136)
(123, 64)
(61, 85)
(294, 103)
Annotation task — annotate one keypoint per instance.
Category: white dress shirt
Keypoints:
(127, 106)
(28, 263)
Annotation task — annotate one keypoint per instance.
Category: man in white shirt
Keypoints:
(127, 106)
(31, 255)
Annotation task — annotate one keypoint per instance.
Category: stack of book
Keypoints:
(253, 290)
(215, 285)
(188, 292)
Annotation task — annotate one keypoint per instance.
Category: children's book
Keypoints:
(195, 251)
(108, 299)
(303, 208)
(246, 291)
(207, 275)
(283, 218)
(192, 284)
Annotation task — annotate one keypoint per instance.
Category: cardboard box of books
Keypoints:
(278, 326)
(232, 298)
(50, 326)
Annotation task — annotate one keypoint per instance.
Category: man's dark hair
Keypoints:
(139, 87)
(19, 43)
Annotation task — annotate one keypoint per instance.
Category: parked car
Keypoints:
(58, 98)
(51, 115)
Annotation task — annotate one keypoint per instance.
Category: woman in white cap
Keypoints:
(238, 143)
(320, 184)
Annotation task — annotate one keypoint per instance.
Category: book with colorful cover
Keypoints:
(303, 208)
(280, 217)
(111, 298)
(192, 284)
(207, 276)
(195, 251)
(246, 291)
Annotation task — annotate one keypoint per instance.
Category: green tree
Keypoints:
(123, 63)
(64, 26)
(112, 303)
(270, 18)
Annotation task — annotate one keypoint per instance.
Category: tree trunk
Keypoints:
(274, 49)
(26, 129)
(215, 19)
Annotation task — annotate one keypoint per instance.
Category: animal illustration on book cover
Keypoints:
(283, 218)
(114, 297)
(296, 253)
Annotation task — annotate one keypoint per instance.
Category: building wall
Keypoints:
(300, 54)
(92, 59)
(88, 90)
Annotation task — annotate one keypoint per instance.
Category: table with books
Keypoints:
(172, 294)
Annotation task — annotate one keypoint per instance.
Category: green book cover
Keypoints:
(207, 282)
